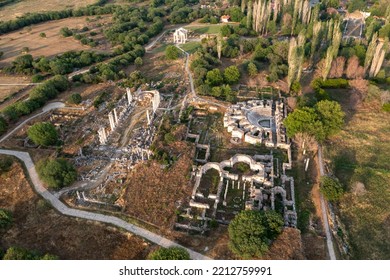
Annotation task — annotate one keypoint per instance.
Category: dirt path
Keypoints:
(63, 209)
(329, 241)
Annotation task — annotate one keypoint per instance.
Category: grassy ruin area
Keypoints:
(360, 159)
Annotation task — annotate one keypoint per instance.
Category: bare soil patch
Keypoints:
(38, 227)
(6, 91)
(54, 43)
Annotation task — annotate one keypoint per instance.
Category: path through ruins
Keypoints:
(329, 241)
(63, 209)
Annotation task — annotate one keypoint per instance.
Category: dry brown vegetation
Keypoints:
(20, 8)
(38, 227)
(54, 43)
(153, 193)
(287, 246)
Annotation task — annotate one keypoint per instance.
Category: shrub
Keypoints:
(43, 133)
(3, 125)
(331, 188)
(5, 218)
(15, 253)
(66, 32)
(75, 98)
(296, 87)
(169, 138)
(330, 83)
(138, 61)
(172, 253)
(386, 107)
(37, 78)
(171, 52)
(56, 173)
(252, 69)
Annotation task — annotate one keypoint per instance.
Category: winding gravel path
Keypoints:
(65, 210)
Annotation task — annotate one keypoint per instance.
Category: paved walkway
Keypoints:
(63, 209)
(329, 241)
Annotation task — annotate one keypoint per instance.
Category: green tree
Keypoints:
(66, 32)
(5, 218)
(322, 121)
(231, 74)
(331, 188)
(331, 116)
(252, 69)
(42, 35)
(138, 61)
(75, 98)
(172, 253)
(250, 232)
(226, 31)
(171, 52)
(43, 133)
(214, 77)
(23, 63)
(304, 120)
(56, 173)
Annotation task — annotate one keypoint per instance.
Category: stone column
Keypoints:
(148, 116)
(129, 96)
(111, 119)
(116, 117)
(102, 136)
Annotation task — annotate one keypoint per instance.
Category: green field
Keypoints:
(190, 47)
(209, 29)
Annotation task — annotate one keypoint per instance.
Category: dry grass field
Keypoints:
(40, 228)
(13, 43)
(360, 156)
(18, 9)
(5, 91)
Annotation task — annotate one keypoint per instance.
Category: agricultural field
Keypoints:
(52, 43)
(360, 159)
(19, 8)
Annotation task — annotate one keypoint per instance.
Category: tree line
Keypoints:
(37, 99)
